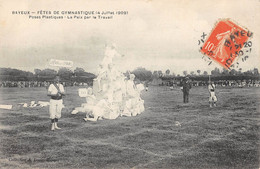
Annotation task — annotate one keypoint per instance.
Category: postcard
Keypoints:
(129, 84)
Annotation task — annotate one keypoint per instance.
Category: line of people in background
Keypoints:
(223, 83)
(46, 84)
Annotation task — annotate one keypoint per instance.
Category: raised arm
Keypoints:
(62, 91)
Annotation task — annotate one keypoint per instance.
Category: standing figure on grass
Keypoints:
(186, 86)
(212, 98)
(110, 54)
(56, 92)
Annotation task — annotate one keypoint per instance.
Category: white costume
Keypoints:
(134, 104)
(131, 88)
(90, 102)
(212, 97)
(56, 105)
(110, 53)
(112, 94)
(102, 74)
(106, 69)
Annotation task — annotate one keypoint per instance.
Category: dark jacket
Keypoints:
(186, 86)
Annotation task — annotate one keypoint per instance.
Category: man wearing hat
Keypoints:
(186, 86)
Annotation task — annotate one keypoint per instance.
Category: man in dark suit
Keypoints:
(186, 86)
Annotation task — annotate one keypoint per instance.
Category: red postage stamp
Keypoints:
(225, 42)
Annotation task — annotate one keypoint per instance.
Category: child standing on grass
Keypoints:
(55, 91)
(212, 97)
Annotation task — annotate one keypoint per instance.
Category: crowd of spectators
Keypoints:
(223, 83)
(25, 84)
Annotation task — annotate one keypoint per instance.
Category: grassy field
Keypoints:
(226, 136)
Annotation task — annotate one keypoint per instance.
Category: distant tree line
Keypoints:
(77, 75)
(216, 74)
(142, 74)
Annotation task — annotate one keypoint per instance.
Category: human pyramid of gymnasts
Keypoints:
(113, 94)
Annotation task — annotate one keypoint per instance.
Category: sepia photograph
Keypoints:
(130, 84)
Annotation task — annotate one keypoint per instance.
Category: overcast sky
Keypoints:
(155, 35)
